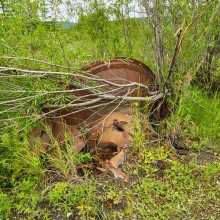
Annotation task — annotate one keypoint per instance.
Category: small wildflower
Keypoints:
(189, 200)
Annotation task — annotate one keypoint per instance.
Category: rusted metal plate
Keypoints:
(109, 130)
(40, 139)
(120, 63)
(112, 136)
(63, 132)
(120, 70)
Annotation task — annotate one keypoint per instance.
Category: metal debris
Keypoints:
(110, 128)
(40, 139)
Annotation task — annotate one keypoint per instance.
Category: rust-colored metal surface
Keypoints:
(111, 137)
(112, 132)
(120, 70)
(109, 125)
(61, 132)
(40, 137)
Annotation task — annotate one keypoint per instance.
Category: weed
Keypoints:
(200, 110)
(72, 198)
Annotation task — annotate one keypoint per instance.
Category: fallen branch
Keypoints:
(39, 61)
(44, 73)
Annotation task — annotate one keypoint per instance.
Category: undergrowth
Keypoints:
(185, 188)
(202, 109)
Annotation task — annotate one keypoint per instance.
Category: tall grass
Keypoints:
(198, 107)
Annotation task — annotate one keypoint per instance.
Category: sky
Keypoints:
(64, 12)
(137, 10)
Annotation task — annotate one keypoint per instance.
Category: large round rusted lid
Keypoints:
(120, 70)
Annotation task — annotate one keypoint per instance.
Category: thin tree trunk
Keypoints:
(158, 48)
(3, 6)
(158, 42)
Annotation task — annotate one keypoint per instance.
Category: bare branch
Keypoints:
(78, 75)
(110, 97)
(39, 61)
(184, 33)
(178, 44)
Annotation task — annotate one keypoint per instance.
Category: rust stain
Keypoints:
(112, 135)
(109, 137)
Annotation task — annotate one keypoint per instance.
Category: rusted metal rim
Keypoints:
(118, 62)
(129, 64)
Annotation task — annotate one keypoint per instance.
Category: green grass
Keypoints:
(187, 190)
(201, 109)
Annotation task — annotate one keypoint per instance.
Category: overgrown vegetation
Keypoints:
(183, 187)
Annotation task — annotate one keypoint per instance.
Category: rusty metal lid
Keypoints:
(120, 70)
(123, 70)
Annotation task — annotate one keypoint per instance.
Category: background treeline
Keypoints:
(107, 31)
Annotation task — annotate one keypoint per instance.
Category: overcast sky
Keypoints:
(66, 15)
(74, 18)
